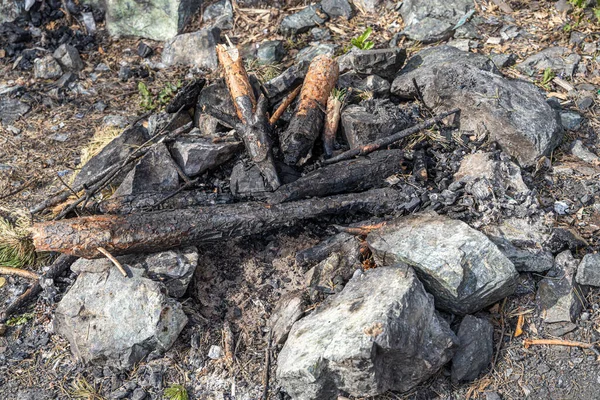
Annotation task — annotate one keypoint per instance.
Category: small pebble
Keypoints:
(215, 352)
(585, 316)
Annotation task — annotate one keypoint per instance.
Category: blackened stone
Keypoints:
(196, 154)
(68, 58)
(475, 349)
(187, 96)
(167, 122)
(247, 181)
(113, 153)
(372, 120)
(66, 79)
(277, 88)
(125, 73)
(565, 239)
(383, 62)
(144, 50)
(303, 20)
(374, 84)
(155, 172)
(337, 8)
(216, 96)
(12, 109)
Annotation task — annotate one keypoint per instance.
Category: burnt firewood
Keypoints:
(420, 166)
(254, 128)
(347, 176)
(163, 230)
(307, 123)
(160, 201)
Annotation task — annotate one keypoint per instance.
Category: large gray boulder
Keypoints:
(116, 321)
(433, 20)
(380, 333)
(459, 265)
(196, 49)
(513, 113)
(151, 19)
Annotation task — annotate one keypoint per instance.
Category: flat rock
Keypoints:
(434, 20)
(523, 241)
(337, 8)
(155, 172)
(68, 58)
(196, 49)
(558, 59)
(588, 271)
(113, 153)
(216, 96)
(383, 62)
(350, 341)
(219, 14)
(371, 120)
(196, 154)
(303, 20)
(579, 150)
(559, 296)
(290, 308)
(513, 113)
(116, 321)
(11, 110)
(46, 68)
(306, 55)
(153, 19)
(459, 265)
(173, 268)
(475, 349)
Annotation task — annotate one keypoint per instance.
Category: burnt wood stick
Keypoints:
(163, 230)
(156, 201)
(347, 176)
(388, 140)
(420, 166)
(307, 122)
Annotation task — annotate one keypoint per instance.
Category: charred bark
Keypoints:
(162, 230)
(346, 176)
(307, 123)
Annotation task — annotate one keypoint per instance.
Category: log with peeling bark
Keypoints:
(347, 176)
(307, 122)
(158, 201)
(163, 230)
(255, 126)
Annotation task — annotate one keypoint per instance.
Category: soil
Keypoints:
(240, 281)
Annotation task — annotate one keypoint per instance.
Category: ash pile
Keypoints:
(420, 174)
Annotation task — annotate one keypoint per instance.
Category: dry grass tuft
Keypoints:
(16, 246)
(103, 136)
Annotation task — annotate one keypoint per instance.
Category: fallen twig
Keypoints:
(266, 369)
(556, 342)
(23, 273)
(388, 140)
(360, 230)
(113, 260)
(284, 105)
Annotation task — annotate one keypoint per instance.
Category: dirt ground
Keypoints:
(241, 280)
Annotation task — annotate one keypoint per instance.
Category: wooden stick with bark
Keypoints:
(163, 230)
(307, 123)
(332, 120)
(254, 127)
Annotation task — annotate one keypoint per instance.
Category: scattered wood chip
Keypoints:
(519, 328)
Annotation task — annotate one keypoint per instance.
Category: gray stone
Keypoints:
(173, 268)
(319, 34)
(116, 321)
(89, 22)
(219, 14)
(290, 308)
(138, 394)
(475, 349)
(152, 19)
(306, 55)
(370, 120)
(277, 88)
(434, 20)
(270, 52)
(559, 59)
(338, 266)
(196, 49)
(303, 20)
(570, 120)
(342, 243)
(68, 58)
(498, 172)
(11, 110)
(373, 84)
(46, 68)
(337, 8)
(559, 297)
(585, 102)
(367, 5)
(513, 113)
(522, 240)
(119, 121)
(167, 122)
(155, 172)
(113, 153)
(206, 124)
(588, 271)
(364, 344)
(581, 152)
(503, 60)
(215, 352)
(460, 266)
(383, 62)
(197, 154)
(247, 181)
(9, 10)
(461, 44)
(66, 79)
(216, 96)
